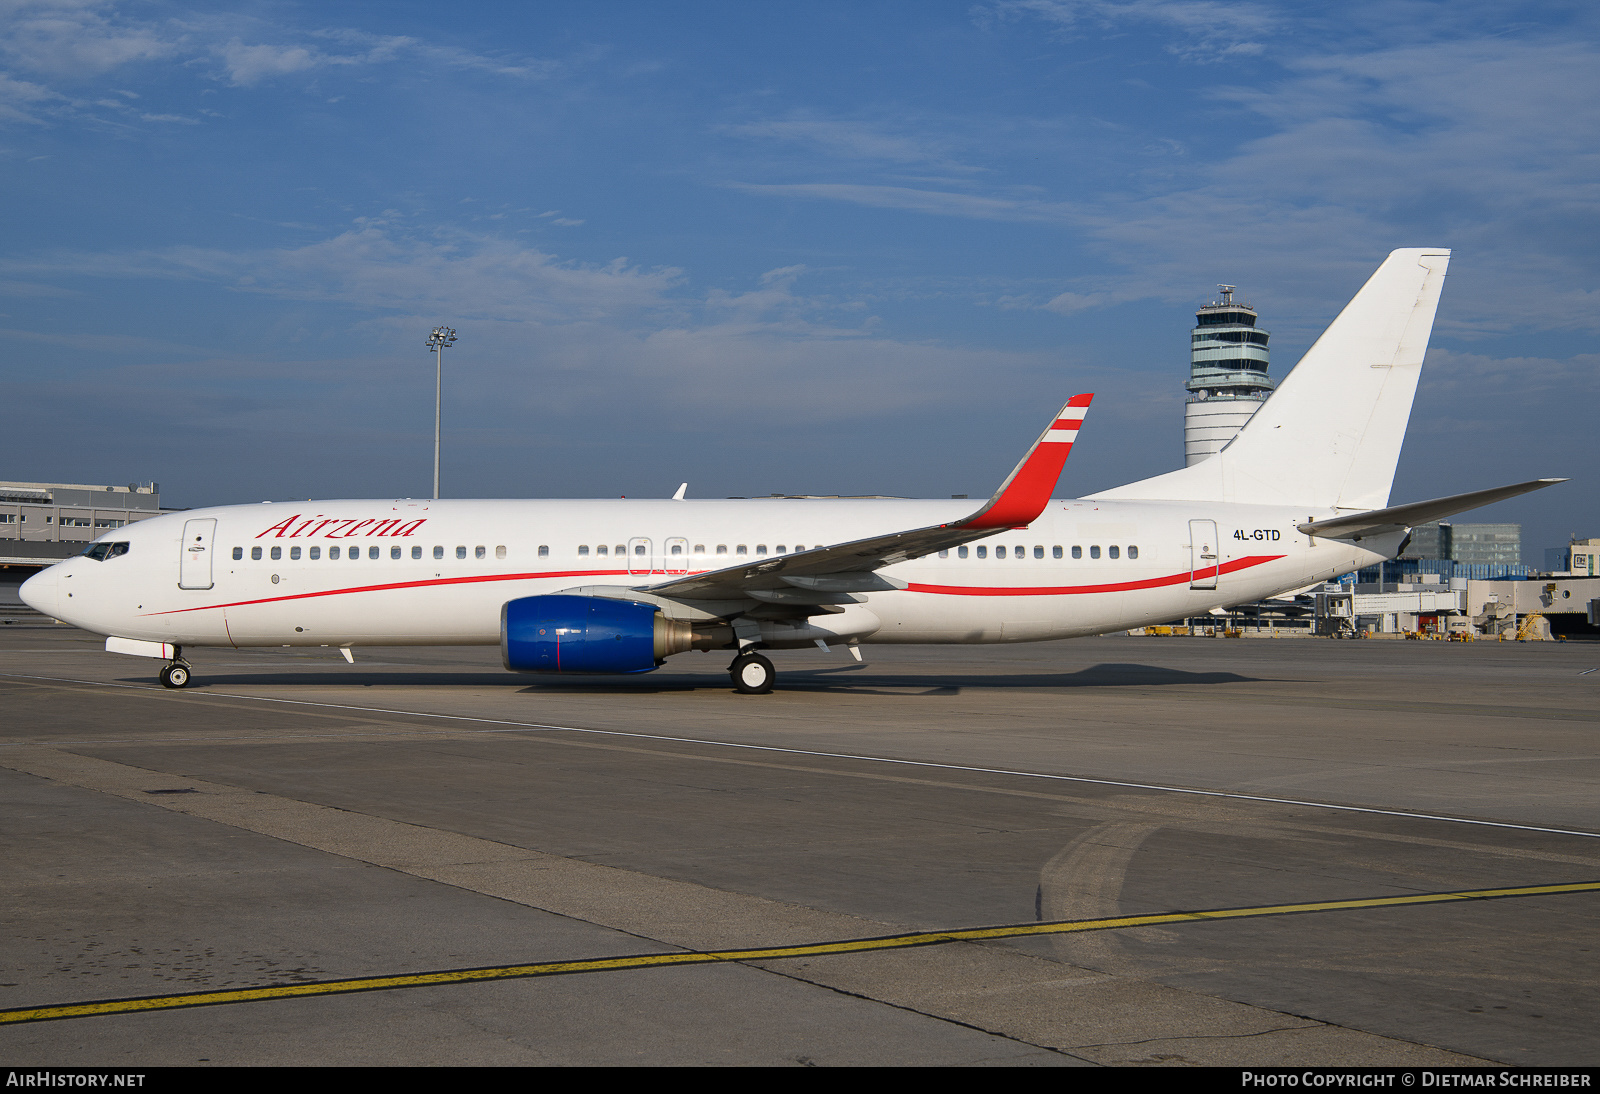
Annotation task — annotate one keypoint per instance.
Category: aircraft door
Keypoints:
(1205, 554)
(194, 560)
(640, 560)
(676, 559)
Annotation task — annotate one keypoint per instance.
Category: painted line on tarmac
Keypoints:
(515, 726)
(776, 953)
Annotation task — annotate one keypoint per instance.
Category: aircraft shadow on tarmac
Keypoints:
(840, 678)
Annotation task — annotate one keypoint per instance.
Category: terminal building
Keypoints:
(1227, 375)
(45, 522)
(1580, 558)
(1470, 544)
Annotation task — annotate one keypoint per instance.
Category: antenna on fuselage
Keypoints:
(679, 495)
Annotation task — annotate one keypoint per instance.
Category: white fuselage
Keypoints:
(371, 573)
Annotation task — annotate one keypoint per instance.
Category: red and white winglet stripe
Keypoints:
(1065, 429)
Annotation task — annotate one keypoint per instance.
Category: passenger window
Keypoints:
(438, 552)
(354, 553)
(619, 550)
(741, 550)
(333, 552)
(416, 552)
(983, 552)
(1113, 552)
(372, 552)
(277, 553)
(961, 552)
(583, 550)
(761, 548)
(722, 548)
(480, 552)
(500, 551)
(1077, 552)
(1133, 552)
(1020, 551)
(1094, 551)
(699, 548)
(1055, 552)
(601, 550)
(544, 551)
(780, 549)
(999, 552)
(638, 549)
(944, 554)
(294, 552)
(395, 552)
(238, 553)
(315, 553)
(1038, 552)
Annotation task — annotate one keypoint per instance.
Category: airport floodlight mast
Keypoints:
(438, 341)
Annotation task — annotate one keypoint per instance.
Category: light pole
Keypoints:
(437, 341)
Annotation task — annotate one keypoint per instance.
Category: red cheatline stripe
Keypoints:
(1074, 590)
(945, 590)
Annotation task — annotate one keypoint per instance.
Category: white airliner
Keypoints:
(1298, 496)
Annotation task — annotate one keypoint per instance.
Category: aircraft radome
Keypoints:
(1300, 495)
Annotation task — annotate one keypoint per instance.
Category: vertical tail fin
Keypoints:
(1330, 435)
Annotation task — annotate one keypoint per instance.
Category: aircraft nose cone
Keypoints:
(39, 591)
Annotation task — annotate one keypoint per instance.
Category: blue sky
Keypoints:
(810, 247)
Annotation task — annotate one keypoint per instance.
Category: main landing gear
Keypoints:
(175, 673)
(752, 674)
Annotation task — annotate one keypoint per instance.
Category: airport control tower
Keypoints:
(1227, 375)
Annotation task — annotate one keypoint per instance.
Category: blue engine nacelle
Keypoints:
(563, 633)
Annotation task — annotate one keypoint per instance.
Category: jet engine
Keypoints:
(563, 633)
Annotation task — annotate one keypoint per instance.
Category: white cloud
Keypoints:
(65, 42)
(249, 65)
(33, 289)
(22, 101)
(1208, 30)
(1489, 144)
(911, 199)
(73, 39)
(850, 140)
(375, 268)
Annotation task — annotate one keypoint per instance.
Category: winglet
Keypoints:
(1025, 493)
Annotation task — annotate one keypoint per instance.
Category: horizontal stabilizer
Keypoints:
(1378, 521)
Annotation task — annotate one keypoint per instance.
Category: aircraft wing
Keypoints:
(848, 567)
(1396, 517)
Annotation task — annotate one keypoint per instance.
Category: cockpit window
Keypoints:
(102, 551)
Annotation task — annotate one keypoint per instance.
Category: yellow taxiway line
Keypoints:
(818, 949)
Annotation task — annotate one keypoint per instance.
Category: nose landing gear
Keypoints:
(752, 674)
(175, 673)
